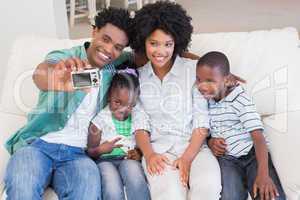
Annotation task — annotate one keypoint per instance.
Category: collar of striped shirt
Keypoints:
(231, 96)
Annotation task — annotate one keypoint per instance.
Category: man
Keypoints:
(49, 149)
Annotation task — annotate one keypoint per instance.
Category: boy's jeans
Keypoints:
(66, 169)
(117, 173)
(238, 176)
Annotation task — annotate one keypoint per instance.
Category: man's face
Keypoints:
(210, 82)
(107, 44)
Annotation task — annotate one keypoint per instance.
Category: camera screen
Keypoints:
(82, 80)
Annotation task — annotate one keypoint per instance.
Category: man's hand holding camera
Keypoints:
(62, 72)
(57, 76)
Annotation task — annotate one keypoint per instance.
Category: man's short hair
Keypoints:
(116, 16)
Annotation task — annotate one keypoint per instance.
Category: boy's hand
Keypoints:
(218, 146)
(108, 146)
(184, 166)
(266, 188)
(156, 163)
(134, 154)
(62, 72)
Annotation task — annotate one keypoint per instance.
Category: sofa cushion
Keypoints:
(9, 124)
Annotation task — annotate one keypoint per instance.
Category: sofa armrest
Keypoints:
(9, 124)
(284, 147)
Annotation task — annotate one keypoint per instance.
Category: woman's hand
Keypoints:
(184, 167)
(156, 163)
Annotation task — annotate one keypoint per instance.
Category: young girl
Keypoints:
(111, 143)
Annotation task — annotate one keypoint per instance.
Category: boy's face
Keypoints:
(121, 102)
(210, 82)
(107, 44)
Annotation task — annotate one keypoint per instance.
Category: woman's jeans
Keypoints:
(121, 176)
(68, 170)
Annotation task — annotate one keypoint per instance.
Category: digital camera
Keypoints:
(86, 79)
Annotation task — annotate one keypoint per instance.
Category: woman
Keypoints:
(170, 120)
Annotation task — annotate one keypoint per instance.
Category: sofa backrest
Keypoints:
(19, 94)
(260, 57)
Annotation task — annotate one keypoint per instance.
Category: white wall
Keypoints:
(19, 17)
(242, 15)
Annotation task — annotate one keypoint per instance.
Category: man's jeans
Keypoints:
(117, 173)
(238, 176)
(66, 169)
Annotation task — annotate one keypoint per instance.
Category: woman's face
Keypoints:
(160, 48)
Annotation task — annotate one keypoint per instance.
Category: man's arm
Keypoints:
(57, 76)
(41, 74)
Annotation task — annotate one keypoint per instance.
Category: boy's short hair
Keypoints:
(116, 16)
(215, 59)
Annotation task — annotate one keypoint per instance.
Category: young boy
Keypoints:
(237, 137)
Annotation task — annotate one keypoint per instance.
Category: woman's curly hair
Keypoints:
(167, 16)
(116, 16)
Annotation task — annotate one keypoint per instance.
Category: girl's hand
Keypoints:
(184, 166)
(108, 146)
(134, 154)
(156, 163)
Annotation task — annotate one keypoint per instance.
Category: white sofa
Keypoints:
(268, 60)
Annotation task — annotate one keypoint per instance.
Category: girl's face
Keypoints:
(160, 48)
(121, 102)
